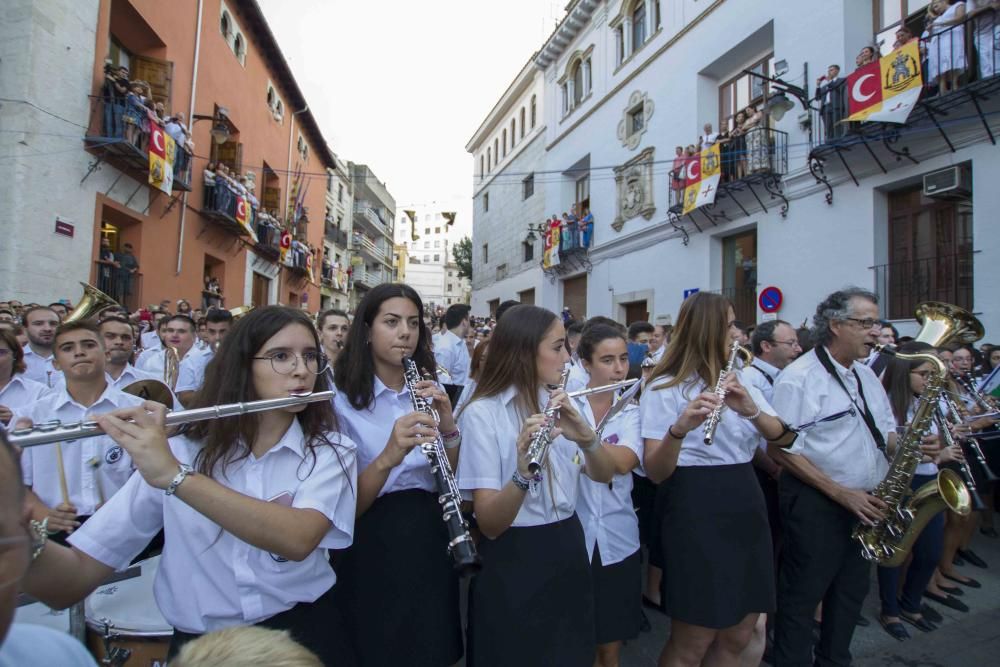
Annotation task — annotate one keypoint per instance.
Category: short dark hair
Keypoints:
(594, 336)
(640, 327)
(886, 324)
(215, 316)
(600, 319)
(77, 325)
(330, 312)
(60, 304)
(184, 318)
(8, 311)
(456, 314)
(113, 318)
(504, 307)
(764, 332)
(574, 328)
(30, 309)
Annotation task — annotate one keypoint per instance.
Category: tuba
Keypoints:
(889, 541)
(92, 303)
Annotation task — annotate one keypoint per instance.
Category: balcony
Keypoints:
(119, 134)
(368, 279)
(124, 288)
(268, 237)
(297, 260)
(942, 120)
(368, 214)
(338, 237)
(219, 206)
(366, 246)
(902, 285)
(752, 170)
(573, 253)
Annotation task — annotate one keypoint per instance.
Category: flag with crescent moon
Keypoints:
(886, 91)
(162, 150)
(704, 171)
(243, 216)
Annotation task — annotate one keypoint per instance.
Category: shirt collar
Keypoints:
(843, 370)
(381, 387)
(29, 352)
(770, 369)
(508, 394)
(16, 378)
(63, 396)
(293, 439)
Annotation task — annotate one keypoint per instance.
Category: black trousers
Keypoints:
(819, 563)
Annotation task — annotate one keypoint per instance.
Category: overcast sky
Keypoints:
(402, 85)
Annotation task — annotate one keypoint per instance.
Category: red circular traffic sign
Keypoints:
(770, 299)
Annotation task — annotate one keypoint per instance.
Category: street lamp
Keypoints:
(778, 104)
(220, 128)
(532, 229)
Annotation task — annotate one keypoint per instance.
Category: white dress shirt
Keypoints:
(371, 427)
(153, 361)
(735, 437)
(606, 511)
(95, 467)
(467, 389)
(843, 449)
(452, 354)
(20, 392)
(656, 356)
(39, 368)
(150, 340)
(209, 579)
(490, 427)
(578, 376)
(762, 376)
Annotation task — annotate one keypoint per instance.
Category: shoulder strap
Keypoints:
(770, 380)
(866, 414)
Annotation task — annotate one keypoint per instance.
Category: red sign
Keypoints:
(64, 228)
(770, 299)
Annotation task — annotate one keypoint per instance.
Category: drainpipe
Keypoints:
(190, 119)
(288, 176)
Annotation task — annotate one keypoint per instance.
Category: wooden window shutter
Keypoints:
(157, 73)
(239, 159)
(272, 198)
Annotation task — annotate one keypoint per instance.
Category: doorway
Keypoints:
(260, 290)
(739, 274)
(575, 297)
(635, 311)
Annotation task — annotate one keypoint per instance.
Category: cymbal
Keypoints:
(151, 390)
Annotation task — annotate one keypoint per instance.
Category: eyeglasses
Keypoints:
(867, 323)
(285, 363)
(789, 343)
(14, 561)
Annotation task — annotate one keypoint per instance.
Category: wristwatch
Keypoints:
(183, 470)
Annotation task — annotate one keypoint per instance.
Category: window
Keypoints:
(427, 230)
(577, 84)
(481, 163)
(583, 193)
(522, 122)
(565, 98)
(451, 288)
(427, 245)
(889, 14)
(489, 159)
(451, 274)
(340, 192)
(486, 201)
(225, 24)
(437, 230)
(619, 45)
(658, 18)
(270, 96)
(486, 253)
(437, 258)
(427, 258)
(529, 250)
(638, 25)
(636, 119)
(505, 143)
(279, 110)
(238, 46)
(513, 136)
(742, 91)
(496, 149)
(437, 243)
(533, 109)
(528, 185)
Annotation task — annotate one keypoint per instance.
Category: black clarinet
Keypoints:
(460, 544)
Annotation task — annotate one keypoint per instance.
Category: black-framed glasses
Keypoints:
(285, 363)
(867, 323)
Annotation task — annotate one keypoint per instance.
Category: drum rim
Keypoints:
(123, 632)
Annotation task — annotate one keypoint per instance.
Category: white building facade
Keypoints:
(426, 243)
(335, 287)
(626, 81)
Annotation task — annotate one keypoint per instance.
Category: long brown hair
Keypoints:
(228, 379)
(476, 364)
(698, 345)
(512, 358)
(896, 379)
(16, 351)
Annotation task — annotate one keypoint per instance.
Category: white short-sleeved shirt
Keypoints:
(843, 449)
(95, 467)
(452, 354)
(371, 427)
(21, 392)
(762, 376)
(209, 579)
(578, 376)
(735, 438)
(39, 368)
(151, 340)
(152, 362)
(490, 427)
(606, 510)
(30, 644)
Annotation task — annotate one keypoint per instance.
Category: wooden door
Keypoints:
(260, 290)
(575, 296)
(527, 297)
(636, 312)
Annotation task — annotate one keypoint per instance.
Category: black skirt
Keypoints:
(716, 546)
(396, 586)
(533, 602)
(617, 591)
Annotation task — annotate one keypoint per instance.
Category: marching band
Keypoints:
(763, 482)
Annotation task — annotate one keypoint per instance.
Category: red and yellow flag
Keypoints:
(162, 150)
(243, 216)
(704, 171)
(886, 91)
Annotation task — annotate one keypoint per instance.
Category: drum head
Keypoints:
(151, 390)
(129, 606)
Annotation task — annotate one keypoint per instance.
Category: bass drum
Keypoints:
(123, 616)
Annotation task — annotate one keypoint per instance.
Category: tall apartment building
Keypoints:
(335, 288)
(428, 261)
(371, 238)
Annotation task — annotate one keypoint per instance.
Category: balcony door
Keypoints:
(739, 274)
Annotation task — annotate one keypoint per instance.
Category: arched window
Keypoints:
(522, 122)
(505, 143)
(513, 136)
(577, 84)
(533, 114)
(481, 172)
(489, 159)
(224, 23)
(496, 151)
(238, 46)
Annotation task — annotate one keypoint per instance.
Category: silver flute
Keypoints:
(623, 384)
(712, 422)
(460, 544)
(538, 448)
(56, 431)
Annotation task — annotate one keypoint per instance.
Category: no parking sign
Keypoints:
(770, 299)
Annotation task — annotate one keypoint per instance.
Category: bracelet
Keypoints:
(451, 436)
(594, 445)
(452, 443)
(670, 431)
(183, 471)
(39, 536)
(520, 481)
(754, 416)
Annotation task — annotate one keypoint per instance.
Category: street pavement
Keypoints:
(962, 640)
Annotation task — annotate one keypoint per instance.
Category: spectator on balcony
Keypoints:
(176, 127)
(866, 56)
(160, 113)
(830, 91)
(903, 36)
(738, 147)
(107, 269)
(135, 119)
(690, 158)
(128, 267)
(208, 182)
(113, 93)
(586, 227)
(707, 137)
(946, 50)
(568, 235)
(986, 34)
(756, 141)
(183, 307)
(677, 175)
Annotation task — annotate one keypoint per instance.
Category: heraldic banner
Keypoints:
(162, 151)
(704, 171)
(886, 91)
(243, 213)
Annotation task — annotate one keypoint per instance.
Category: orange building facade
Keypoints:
(218, 63)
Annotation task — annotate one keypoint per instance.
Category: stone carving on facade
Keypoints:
(629, 135)
(634, 189)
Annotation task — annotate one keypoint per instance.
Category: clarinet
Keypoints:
(460, 544)
(538, 448)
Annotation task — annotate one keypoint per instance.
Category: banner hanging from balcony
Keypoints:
(243, 215)
(704, 171)
(886, 91)
(162, 151)
(550, 255)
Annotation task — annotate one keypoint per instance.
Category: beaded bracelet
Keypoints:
(520, 481)
(754, 416)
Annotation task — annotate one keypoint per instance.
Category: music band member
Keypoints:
(16, 391)
(40, 325)
(333, 326)
(119, 343)
(450, 349)
(249, 504)
(536, 581)
(400, 592)
(846, 431)
(610, 524)
(218, 322)
(719, 574)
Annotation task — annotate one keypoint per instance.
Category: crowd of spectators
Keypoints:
(570, 231)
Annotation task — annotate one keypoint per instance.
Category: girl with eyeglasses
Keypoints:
(400, 591)
(249, 504)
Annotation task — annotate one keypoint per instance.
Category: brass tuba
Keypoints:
(92, 303)
(889, 541)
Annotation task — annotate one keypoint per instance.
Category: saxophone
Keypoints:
(889, 540)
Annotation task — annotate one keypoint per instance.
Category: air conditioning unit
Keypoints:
(951, 183)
